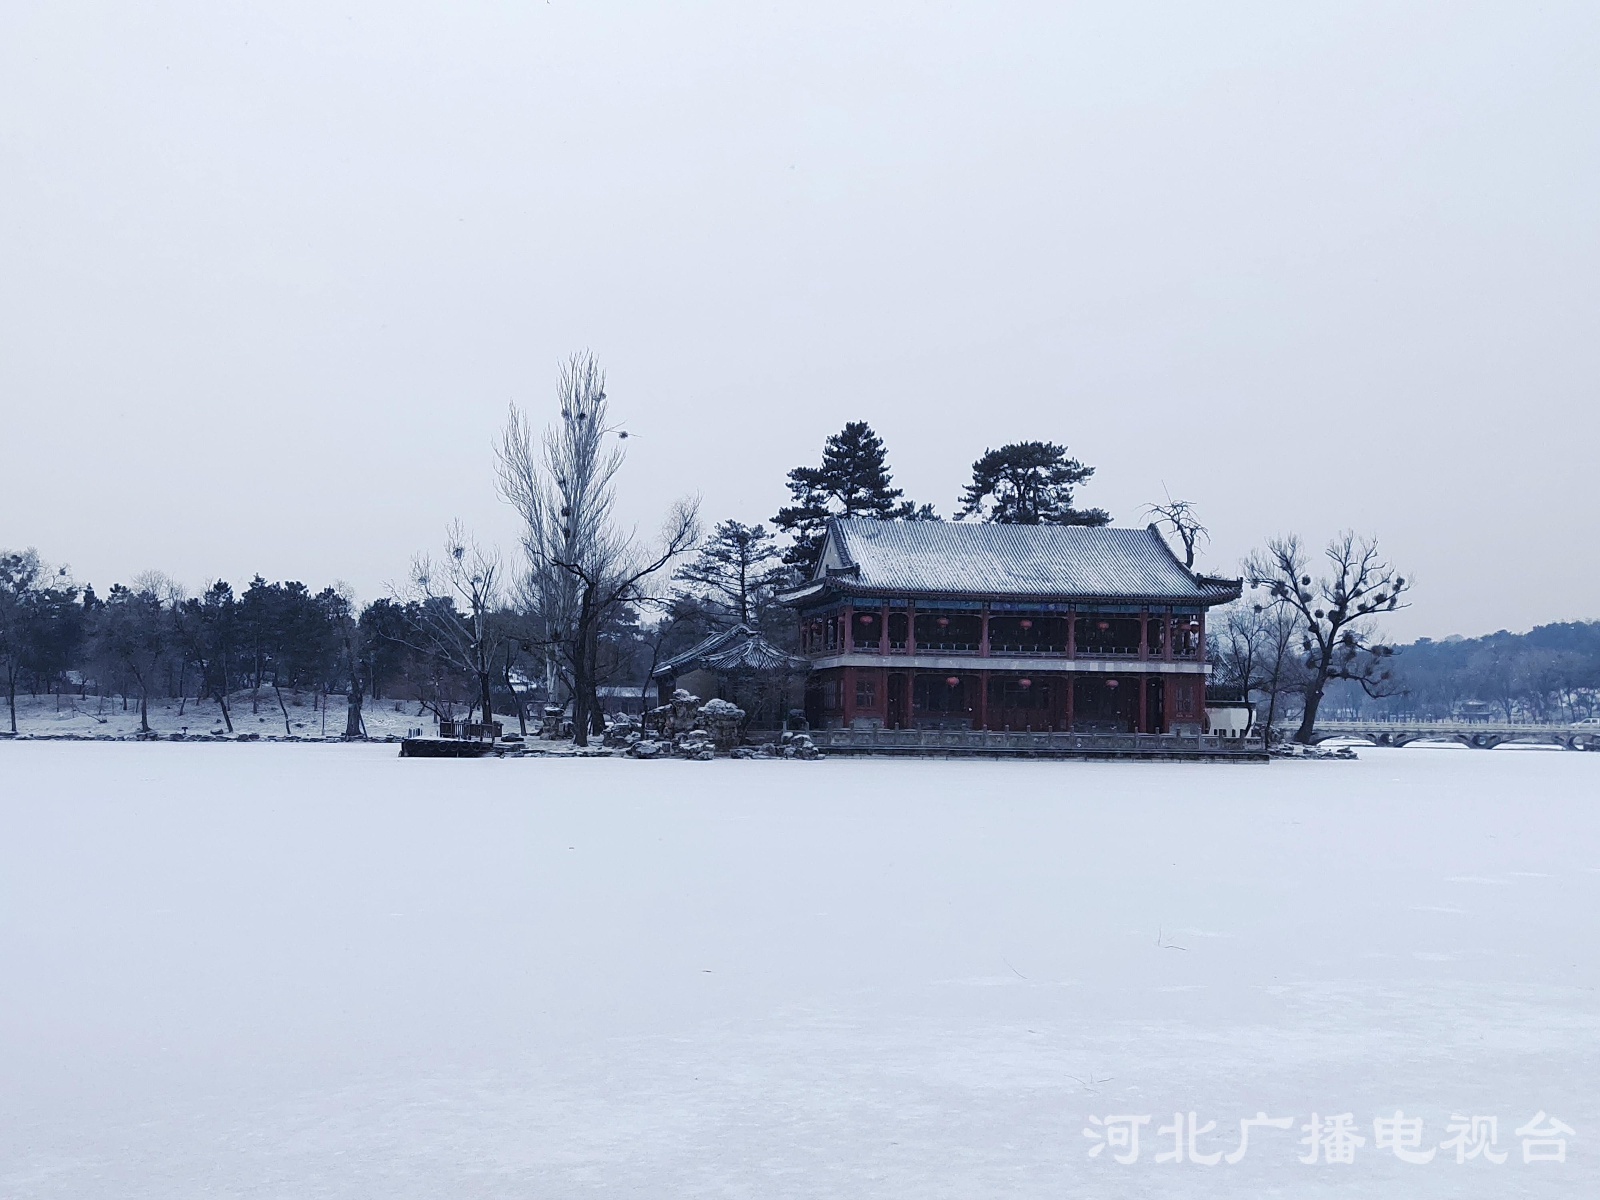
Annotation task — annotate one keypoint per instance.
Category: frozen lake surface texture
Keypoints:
(308, 971)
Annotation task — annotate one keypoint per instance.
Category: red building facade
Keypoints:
(938, 625)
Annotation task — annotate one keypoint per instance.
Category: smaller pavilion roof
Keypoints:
(738, 649)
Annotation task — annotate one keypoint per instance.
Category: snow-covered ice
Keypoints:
(305, 971)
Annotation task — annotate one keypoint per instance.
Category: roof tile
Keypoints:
(931, 557)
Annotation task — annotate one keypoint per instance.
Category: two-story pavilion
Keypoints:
(944, 625)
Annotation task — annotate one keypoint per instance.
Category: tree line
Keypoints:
(1305, 645)
(586, 607)
(1550, 673)
(148, 640)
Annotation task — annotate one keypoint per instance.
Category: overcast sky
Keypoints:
(270, 274)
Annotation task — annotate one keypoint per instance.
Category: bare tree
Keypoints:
(581, 570)
(514, 643)
(561, 484)
(468, 638)
(603, 590)
(1238, 649)
(1179, 516)
(1335, 613)
(1257, 651)
(1282, 670)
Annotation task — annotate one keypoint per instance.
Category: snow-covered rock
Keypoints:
(722, 721)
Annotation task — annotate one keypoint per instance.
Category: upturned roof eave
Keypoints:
(715, 647)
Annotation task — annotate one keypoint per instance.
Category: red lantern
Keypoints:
(1027, 624)
(943, 621)
(866, 618)
(1111, 683)
(1024, 683)
(1103, 626)
(953, 681)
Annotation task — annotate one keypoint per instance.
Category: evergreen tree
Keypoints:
(286, 636)
(737, 570)
(207, 626)
(133, 638)
(853, 481)
(386, 634)
(1028, 483)
(41, 624)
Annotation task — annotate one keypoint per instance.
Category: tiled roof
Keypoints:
(739, 648)
(1033, 561)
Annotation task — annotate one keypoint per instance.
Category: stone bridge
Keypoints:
(1480, 735)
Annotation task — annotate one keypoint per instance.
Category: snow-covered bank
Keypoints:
(324, 971)
(112, 717)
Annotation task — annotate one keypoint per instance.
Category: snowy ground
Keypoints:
(307, 971)
(106, 716)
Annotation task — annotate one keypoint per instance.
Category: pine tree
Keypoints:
(737, 569)
(41, 625)
(207, 625)
(133, 637)
(853, 481)
(1028, 483)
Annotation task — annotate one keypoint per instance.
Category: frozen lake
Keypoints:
(307, 971)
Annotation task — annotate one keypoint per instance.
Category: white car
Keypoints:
(1588, 723)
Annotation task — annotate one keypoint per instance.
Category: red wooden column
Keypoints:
(1072, 634)
(983, 683)
(1144, 707)
(1072, 681)
(1144, 641)
(847, 702)
(911, 628)
(883, 631)
(1166, 641)
(983, 633)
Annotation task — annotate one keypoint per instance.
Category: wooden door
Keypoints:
(896, 699)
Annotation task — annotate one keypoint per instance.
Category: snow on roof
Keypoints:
(944, 557)
(739, 648)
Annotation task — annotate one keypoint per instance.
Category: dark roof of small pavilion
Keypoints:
(943, 558)
(738, 649)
